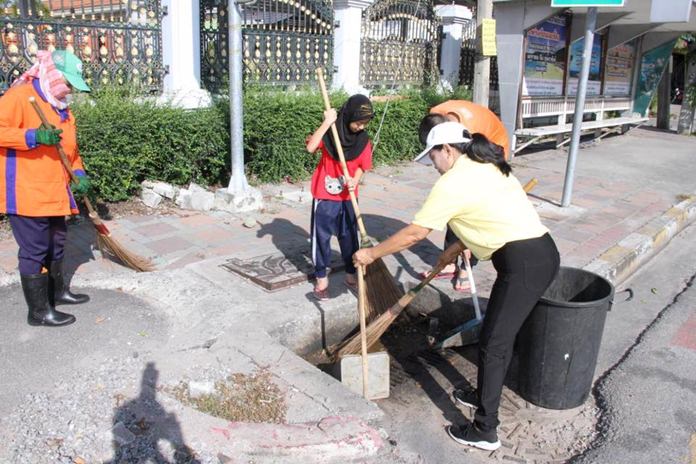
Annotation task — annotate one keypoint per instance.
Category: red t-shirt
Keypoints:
(329, 167)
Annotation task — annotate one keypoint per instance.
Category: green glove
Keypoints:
(82, 186)
(48, 136)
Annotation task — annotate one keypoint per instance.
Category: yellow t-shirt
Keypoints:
(484, 208)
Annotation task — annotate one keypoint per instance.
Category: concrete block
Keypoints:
(164, 189)
(183, 200)
(201, 199)
(249, 200)
(350, 374)
(150, 198)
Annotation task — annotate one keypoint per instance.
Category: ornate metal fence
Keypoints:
(118, 40)
(284, 41)
(399, 43)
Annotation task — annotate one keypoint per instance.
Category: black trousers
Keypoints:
(525, 270)
(40, 239)
(331, 218)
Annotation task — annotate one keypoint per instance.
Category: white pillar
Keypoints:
(181, 53)
(346, 51)
(454, 17)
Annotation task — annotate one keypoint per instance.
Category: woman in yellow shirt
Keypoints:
(487, 209)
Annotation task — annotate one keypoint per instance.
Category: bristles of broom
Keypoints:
(380, 325)
(382, 290)
(109, 245)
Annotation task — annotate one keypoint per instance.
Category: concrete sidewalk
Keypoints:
(632, 194)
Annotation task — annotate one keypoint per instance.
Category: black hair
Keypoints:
(482, 150)
(427, 123)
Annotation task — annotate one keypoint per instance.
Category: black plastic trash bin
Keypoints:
(559, 342)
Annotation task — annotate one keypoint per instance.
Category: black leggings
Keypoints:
(525, 270)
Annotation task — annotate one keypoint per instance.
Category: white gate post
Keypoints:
(346, 49)
(454, 17)
(181, 45)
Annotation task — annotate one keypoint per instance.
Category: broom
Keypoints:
(382, 291)
(380, 325)
(104, 239)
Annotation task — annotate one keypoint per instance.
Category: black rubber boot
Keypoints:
(41, 312)
(58, 291)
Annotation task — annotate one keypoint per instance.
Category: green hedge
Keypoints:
(124, 141)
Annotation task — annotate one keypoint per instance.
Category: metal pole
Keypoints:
(482, 66)
(238, 181)
(590, 24)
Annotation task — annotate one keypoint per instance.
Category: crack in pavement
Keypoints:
(604, 421)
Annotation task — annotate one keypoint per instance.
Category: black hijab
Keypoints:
(356, 108)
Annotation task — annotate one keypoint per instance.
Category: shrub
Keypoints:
(124, 140)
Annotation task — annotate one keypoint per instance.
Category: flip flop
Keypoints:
(440, 275)
(463, 284)
(321, 295)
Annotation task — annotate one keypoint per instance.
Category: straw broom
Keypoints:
(382, 291)
(104, 239)
(380, 325)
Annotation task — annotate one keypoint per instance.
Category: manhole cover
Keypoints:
(276, 271)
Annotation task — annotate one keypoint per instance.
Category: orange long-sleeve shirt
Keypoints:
(476, 118)
(33, 181)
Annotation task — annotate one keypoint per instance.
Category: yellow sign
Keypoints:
(488, 37)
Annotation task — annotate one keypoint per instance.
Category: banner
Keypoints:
(652, 65)
(619, 71)
(545, 57)
(594, 81)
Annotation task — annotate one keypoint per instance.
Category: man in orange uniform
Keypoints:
(477, 119)
(35, 190)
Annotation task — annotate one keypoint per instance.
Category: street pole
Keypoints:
(238, 182)
(590, 24)
(482, 67)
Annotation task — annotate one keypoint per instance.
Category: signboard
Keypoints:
(619, 70)
(594, 80)
(545, 57)
(488, 37)
(651, 68)
(583, 3)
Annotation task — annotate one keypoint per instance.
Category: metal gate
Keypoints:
(284, 41)
(399, 43)
(118, 41)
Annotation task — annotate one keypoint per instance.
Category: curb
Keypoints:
(623, 259)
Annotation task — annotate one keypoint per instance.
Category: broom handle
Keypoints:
(363, 329)
(474, 296)
(530, 185)
(48, 125)
(447, 257)
(341, 157)
(101, 227)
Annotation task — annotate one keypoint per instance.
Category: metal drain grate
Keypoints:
(276, 271)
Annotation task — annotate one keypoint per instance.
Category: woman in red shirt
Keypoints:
(332, 211)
